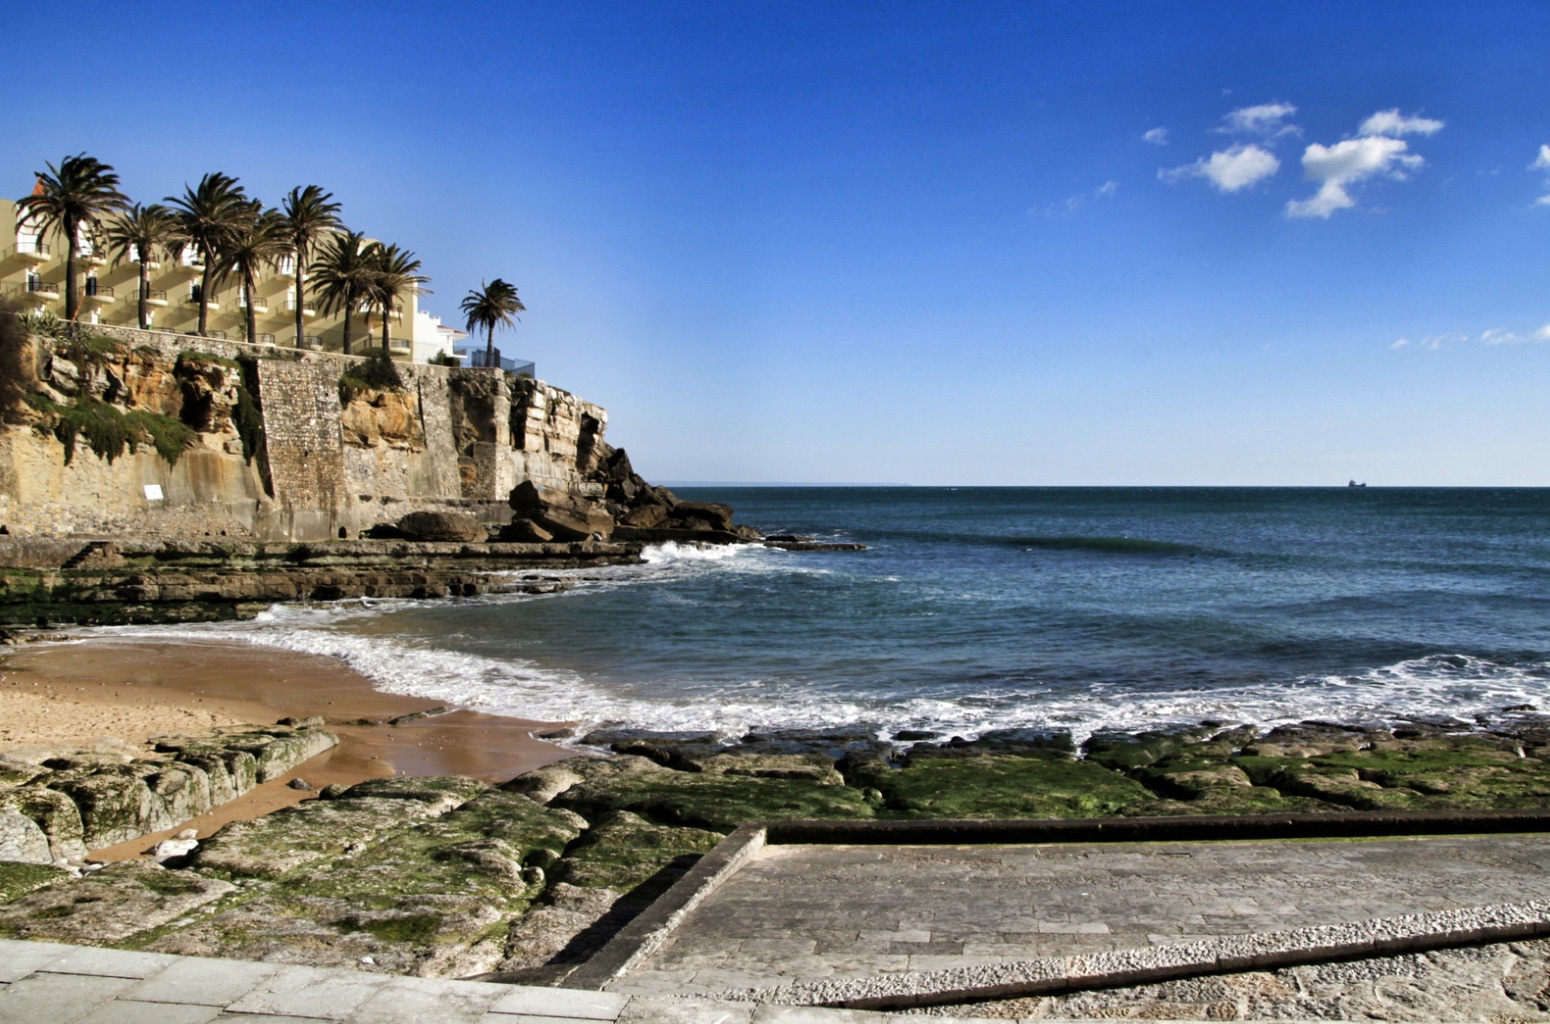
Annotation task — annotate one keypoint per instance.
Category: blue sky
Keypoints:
(936, 243)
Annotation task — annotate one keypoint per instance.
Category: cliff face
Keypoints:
(276, 448)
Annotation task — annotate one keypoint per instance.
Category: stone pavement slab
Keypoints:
(48, 983)
(809, 913)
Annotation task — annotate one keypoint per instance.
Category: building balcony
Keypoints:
(190, 262)
(213, 305)
(29, 250)
(155, 297)
(312, 342)
(43, 287)
(100, 294)
(264, 339)
(94, 259)
(402, 346)
(259, 305)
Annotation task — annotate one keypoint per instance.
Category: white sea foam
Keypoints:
(1443, 685)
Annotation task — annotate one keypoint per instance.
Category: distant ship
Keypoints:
(1353, 483)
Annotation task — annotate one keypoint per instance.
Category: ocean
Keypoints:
(985, 608)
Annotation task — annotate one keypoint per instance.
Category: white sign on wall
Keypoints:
(153, 492)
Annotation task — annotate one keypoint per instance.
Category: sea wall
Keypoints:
(281, 451)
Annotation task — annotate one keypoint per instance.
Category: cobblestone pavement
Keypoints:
(811, 912)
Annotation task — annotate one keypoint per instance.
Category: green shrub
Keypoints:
(376, 372)
(108, 431)
(88, 348)
(170, 437)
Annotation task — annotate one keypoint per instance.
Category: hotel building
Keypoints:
(32, 270)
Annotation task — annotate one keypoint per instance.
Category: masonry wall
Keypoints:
(452, 437)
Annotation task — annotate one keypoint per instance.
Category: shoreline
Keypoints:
(113, 695)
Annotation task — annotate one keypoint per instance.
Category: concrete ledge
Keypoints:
(1410, 933)
(1333, 825)
(641, 937)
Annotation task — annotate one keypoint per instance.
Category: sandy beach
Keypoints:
(61, 695)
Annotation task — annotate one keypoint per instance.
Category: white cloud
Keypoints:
(1266, 119)
(1336, 168)
(1229, 169)
(1156, 136)
(1542, 163)
(1500, 336)
(1071, 204)
(1493, 336)
(1393, 124)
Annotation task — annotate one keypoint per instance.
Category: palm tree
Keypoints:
(255, 240)
(396, 275)
(309, 215)
(205, 215)
(343, 273)
(139, 234)
(75, 195)
(493, 305)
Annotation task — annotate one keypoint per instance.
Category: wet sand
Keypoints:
(105, 693)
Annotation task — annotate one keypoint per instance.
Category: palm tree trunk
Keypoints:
(489, 346)
(145, 289)
(387, 312)
(72, 300)
(301, 261)
(252, 316)
(349, 318)
(204, 300)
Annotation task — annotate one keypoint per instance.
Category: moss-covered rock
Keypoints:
(115, 802)
(17, 878)
(325, 829)
(992, 786)
(109, 906)
(431, 896)
(55, 814)
(624, 852)
(716, 802)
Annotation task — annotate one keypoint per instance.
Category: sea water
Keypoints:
(982, 608)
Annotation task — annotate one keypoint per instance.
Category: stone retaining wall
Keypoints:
(452, 437)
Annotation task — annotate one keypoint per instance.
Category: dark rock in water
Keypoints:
(415, 716)
(1054, 744)
(914, 735)
(442, 526)
(813, 545)
(672, 749)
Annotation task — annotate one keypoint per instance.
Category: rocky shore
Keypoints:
(448, 876)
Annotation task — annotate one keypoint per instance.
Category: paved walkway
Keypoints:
(806, 913)
(44, 983)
